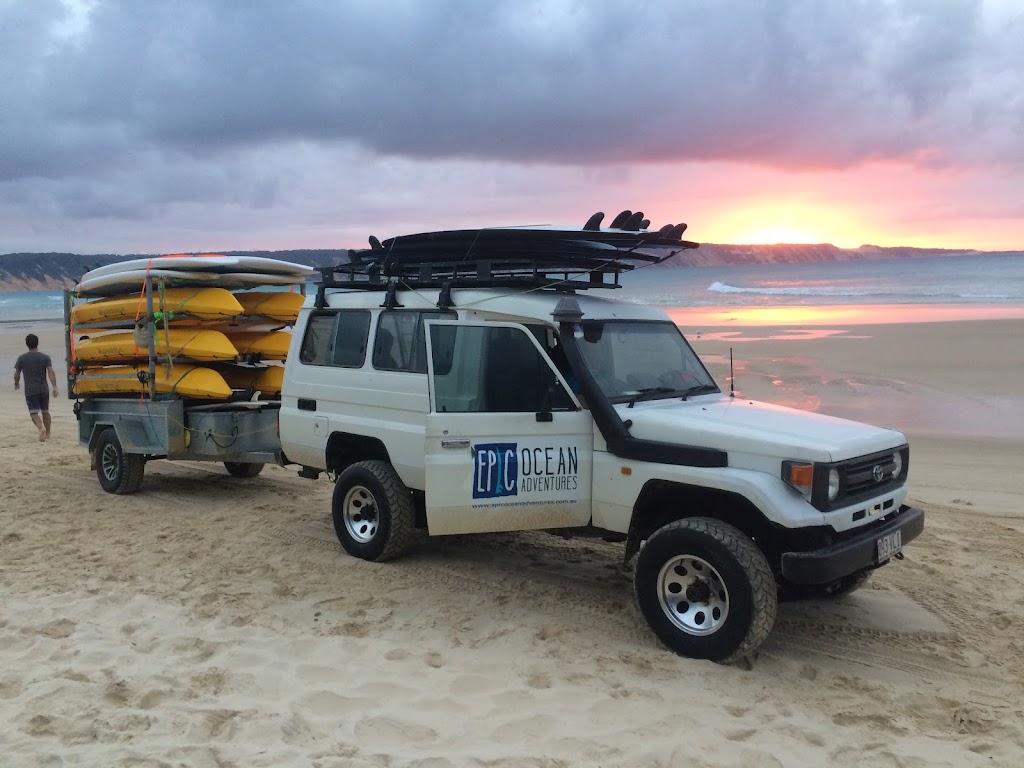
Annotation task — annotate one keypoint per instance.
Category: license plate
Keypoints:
(889, 545)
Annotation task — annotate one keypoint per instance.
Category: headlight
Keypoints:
(897, 464)
(833, 484)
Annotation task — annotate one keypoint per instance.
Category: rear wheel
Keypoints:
(241, 469)
(705, 589)
(117, 471)
(373, 512)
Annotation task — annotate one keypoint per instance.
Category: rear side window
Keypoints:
(400, 343)
(336, 339)
(350, 339)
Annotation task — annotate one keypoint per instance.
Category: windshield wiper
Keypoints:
(698, 389)
(645, 392)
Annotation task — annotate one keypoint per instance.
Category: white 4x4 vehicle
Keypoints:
(461, 382)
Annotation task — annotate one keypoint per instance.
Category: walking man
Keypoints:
(36, 367)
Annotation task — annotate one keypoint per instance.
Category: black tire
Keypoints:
(705, 589)
(241, 469)
(117, 471)
(843, 586)
(373, 511)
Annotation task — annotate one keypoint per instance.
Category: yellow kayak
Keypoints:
(183, 380)
(267, 380)
(271, 345)
(279, 305)
(204, 303)
(127, 346)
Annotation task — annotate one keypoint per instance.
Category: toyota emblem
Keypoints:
(878, 473)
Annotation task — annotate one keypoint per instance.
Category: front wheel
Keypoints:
(705, 589)
(373, 511)
(117, 471)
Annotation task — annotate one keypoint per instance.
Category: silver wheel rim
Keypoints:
(360, 511)
(693, 595)
(108, 462)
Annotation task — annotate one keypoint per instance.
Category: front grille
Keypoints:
(857, 478)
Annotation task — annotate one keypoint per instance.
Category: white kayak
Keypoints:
(132, 281)
(203, 263)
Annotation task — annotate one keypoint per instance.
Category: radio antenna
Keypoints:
(732, 376)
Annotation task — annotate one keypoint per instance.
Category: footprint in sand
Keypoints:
(220, 723)
(59, 629)
(741, 735)
(381, 731)
(434, 659)
(538, 680)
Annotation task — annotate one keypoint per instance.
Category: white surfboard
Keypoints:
(203, 263)
(133, 281)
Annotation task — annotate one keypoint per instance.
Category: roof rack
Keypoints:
(562, 258)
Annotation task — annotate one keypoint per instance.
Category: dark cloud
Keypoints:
(127, 110)
(785, 83)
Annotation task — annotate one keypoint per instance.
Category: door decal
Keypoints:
(533, 470)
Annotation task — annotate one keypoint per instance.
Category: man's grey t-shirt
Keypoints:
(33, 367)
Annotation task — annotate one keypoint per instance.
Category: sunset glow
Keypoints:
(868, 314)
(755, 223)
(772, 235)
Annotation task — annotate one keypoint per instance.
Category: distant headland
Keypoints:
(50, 271)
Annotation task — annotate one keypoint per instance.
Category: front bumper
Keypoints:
(857, 553)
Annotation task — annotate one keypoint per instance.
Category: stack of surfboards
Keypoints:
(213, 333)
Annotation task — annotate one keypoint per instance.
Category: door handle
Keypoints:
(305, 404)
(455, 443)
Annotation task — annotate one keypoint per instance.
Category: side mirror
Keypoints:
(545, 404)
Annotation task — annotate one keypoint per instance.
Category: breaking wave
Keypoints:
(947, 294)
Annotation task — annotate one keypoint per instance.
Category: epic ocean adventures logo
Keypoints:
(531, 470)
(495, 470)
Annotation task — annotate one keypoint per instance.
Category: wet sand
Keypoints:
(211, 621)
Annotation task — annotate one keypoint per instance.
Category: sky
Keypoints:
(157, 126)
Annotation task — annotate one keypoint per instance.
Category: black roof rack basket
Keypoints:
(508, 257)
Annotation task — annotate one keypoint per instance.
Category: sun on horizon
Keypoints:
(779, 236)
(789, 223)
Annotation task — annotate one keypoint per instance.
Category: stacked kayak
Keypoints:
(206, 327)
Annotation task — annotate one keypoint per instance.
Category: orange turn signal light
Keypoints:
(801, 474)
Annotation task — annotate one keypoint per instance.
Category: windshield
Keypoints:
(634, 361)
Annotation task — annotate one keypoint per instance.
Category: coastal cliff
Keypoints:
(713, 255)
(50, 271)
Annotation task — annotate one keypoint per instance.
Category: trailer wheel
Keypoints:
(242, 469)
(373, 511)
(705, 589)
(117, 471)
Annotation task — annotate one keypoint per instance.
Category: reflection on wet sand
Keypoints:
(691, 318)
(940, 378)
(798, 334)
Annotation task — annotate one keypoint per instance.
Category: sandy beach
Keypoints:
(214, 621)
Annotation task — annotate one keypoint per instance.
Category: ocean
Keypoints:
(982, 280)
(987, 280)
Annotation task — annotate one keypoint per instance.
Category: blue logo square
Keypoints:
(495, 470)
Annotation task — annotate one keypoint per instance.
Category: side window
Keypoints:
(350, 339)
(492, 369)
(316, 344)
(400, 343)
(336, 339)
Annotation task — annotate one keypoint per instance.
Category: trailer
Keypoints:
(124, 432)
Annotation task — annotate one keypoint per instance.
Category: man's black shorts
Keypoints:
(38, 403)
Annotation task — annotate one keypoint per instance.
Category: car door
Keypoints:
(508, 446)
